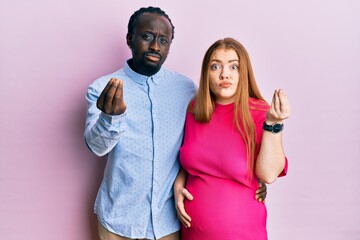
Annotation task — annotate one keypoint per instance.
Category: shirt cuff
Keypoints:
(112, 119)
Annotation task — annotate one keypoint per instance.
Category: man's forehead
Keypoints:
(150, 21)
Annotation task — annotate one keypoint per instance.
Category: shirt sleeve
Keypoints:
(102, 131)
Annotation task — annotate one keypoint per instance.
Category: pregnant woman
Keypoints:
(233, 139)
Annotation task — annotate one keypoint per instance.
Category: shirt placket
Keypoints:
(154, 188)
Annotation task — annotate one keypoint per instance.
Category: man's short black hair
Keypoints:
(134, 18)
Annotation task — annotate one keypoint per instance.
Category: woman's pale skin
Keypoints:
(224, 78)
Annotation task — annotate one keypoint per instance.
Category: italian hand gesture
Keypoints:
(111, 99)
(279, 109)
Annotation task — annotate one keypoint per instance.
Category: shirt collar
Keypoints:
(141, 79)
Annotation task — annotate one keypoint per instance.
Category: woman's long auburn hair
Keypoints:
(204, 104)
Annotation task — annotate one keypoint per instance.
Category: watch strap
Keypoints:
(274, 128)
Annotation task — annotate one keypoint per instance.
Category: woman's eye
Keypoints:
(215, 67)
(235, 67)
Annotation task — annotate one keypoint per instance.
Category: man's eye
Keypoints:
(215, 67)
(164, 40)
(147, 37)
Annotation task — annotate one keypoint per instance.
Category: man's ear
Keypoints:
(128, 40)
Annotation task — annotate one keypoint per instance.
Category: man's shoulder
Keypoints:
(176, 75)
(180, 81)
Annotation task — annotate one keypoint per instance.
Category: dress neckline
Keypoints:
(224, 107)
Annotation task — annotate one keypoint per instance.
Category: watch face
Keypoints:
(277, 127)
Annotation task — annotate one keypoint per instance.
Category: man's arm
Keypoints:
(261, 192)
(104, 117)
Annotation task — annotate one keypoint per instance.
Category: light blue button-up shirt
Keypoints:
(135, 198)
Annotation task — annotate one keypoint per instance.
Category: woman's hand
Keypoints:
(180, 194)
(279, 109)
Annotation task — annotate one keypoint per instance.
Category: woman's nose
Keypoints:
(224, 74)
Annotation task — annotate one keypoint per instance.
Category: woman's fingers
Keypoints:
(276, 101)
(180, 208)
(285, 105)
(280, 107)
(187, 194)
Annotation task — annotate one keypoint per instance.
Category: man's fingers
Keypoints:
(261, 192)
(261, 195)
(101, 99)
(109, 95)
(111, 99)
(118, 96)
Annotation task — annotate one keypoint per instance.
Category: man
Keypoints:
(138, 122)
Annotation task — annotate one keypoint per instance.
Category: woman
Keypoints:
(226, 150)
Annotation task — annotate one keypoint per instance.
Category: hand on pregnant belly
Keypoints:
(181, 195)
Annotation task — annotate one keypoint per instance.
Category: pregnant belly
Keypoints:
(222, 207)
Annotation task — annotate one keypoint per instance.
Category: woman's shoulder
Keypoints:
(258, 109)
(191, 106)
(256, 104)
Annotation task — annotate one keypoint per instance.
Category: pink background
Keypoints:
(50, 51)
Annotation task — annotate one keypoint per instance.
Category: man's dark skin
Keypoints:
(149, 43)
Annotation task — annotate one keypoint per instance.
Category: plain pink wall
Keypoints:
(50, 51)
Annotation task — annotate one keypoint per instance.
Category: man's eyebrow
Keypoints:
(153, 33)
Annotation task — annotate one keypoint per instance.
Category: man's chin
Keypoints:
(151, 68)
(153, 62)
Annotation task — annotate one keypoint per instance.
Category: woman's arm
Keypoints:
(180, 193)
(271, 159)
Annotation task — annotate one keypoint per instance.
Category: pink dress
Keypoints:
(214, 155)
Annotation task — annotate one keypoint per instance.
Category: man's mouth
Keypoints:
(153, 57)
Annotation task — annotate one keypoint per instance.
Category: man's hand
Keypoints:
(261, 192)
(111, 99)
(180, 195)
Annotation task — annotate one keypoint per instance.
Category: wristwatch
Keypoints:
(275, 128)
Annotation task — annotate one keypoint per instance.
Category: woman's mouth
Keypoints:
(225, 84)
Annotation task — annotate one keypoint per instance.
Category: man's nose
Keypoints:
(154, 45)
